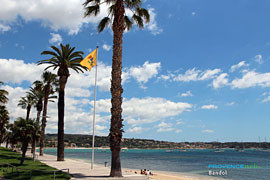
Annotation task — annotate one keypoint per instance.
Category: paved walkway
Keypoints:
(82, 170)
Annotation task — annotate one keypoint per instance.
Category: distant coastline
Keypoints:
(78, 141)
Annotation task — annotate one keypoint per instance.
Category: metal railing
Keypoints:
(31, 171)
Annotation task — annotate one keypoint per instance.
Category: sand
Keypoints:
(81, 169)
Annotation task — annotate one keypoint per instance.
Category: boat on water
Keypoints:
(218, 151)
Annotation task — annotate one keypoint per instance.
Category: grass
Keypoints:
(9, 157)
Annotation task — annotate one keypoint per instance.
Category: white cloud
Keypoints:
(164, 127)
(178, 122)
(197, 75)
(230, 103)
(207, 131)
(266, 99)
(258, 58)
(145, 72)
(190, 75)
(106, 47)
(134, 109)
(152, 25)
(220, 81)
(210, 106)
(57, 14)
(16, 71)
(239, 65)
(135, 130)
(186, 94)
(178, 131)
(209, 74)
(252, 79)
(193, 13)
(4, 28)
(56, 38)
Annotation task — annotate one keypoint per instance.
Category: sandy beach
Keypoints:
(81, 169)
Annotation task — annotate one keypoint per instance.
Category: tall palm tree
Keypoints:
(51, 85)
(116, 13)
(64, 59)
(3, 95)
(37, 92)
(26, 103)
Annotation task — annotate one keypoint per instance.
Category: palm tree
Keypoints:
(27, 103)
(3, 95)
(63, 59)
(37, 93)
(25, 130)
(116, 13)
(51, 85)
(4, 121)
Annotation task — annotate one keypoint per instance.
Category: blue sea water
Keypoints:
(194, 162)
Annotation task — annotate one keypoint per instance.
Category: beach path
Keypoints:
(80, 169)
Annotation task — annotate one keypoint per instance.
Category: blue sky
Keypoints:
(199, 71)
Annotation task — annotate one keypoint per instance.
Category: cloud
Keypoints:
(55, 39)
(178, 122)
(16, 71)
(252, 79)
(164, 127)
(152, 25)
(266, 99)
(186, 94)
(65, 15)
(209, 74)
(197, 75)
(4, 28)
(193, 13)
(220, 81)
(134, 109)
(207, 131)
(135, 130)
(145, 72)
(239, 65)
(106, 47)
(178, 131)
(258, 58)
(230, 103)
(210, 106)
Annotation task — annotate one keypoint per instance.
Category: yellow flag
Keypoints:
(90, 60)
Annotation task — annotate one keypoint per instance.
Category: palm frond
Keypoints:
(103, 23)
(92, 10)
(138, 20)
(128, 23)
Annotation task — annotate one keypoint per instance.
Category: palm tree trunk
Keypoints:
(116, 90)
(34, 136)
(61, 114)
(28, 112)
(44, 114)
(24, 149)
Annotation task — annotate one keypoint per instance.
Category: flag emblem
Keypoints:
(90, 60)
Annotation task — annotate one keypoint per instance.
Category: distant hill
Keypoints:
(80, 140)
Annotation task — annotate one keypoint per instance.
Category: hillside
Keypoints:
(79, 140)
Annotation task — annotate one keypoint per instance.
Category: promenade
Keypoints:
(82, 170)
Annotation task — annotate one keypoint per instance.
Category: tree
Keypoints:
(3, 95)
(116, 13)
(4, 121)
(64, 59)
(27, 103)
(51, 85)
(25, 130)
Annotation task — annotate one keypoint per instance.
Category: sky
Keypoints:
(199, 71)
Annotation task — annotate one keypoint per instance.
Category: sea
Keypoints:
(251, 164)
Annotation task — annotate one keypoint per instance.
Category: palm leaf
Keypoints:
(103, 23)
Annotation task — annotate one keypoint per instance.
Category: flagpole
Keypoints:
(94, 117)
